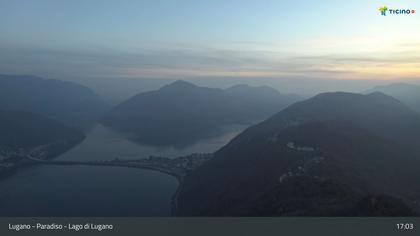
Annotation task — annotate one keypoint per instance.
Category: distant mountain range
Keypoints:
(117, 90)
(67, 102)
(337, 154)
(406, 93)
(181, 112)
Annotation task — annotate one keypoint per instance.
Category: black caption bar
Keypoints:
(210, 226)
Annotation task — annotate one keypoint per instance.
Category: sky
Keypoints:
(210, 38)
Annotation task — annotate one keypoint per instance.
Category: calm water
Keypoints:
(99, 191)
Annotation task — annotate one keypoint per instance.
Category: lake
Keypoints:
(100, 191)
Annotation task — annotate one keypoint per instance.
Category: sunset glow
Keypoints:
(346, 40)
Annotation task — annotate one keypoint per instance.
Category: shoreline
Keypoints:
(174, 199)
(174, 167)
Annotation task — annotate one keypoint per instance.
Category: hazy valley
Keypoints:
(273, 153)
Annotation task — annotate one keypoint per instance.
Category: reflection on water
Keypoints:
(99, 191)
(104, 143)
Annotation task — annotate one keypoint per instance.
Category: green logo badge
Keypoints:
(383, 10)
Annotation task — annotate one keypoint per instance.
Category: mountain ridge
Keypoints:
(182, 111)
(350, 139)
(70, 103)
(409, 94)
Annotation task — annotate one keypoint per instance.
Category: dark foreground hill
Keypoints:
(336, 154)
(180, 113)
(67, 102)
(24, 134)
(28, 130)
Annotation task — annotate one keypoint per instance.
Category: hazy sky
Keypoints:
(181, 38)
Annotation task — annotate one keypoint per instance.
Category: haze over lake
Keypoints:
(99, 191)
(149, 108)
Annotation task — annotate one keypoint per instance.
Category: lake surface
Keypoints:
(99, 191)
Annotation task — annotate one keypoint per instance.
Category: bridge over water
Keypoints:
(177, 167)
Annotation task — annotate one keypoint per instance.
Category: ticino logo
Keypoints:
(384, 10)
